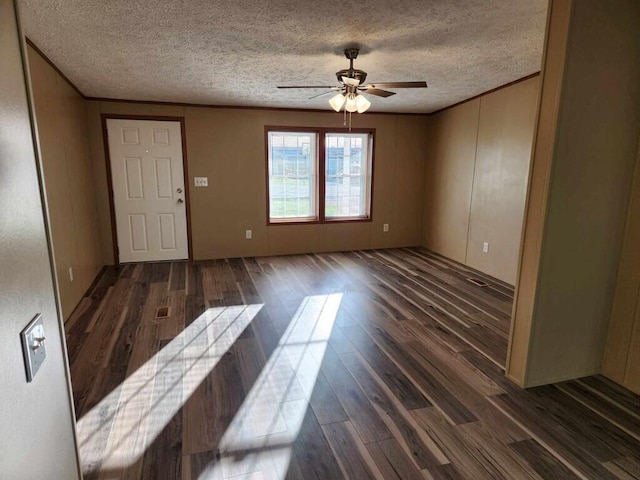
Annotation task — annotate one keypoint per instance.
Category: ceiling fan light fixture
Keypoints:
(337, 102)
(362, 104)
(351, 105)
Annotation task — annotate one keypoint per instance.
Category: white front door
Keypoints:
(148, 189)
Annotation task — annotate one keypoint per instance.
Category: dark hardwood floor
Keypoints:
(368, 364)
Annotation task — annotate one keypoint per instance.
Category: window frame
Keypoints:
(320, 188)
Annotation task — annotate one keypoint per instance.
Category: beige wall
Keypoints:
(476, 178)
(554, 54)
(578, 200)
(66, 157)
(452, 138)
(622, 354)
(227, 145)
(503, 152)
(36, 419)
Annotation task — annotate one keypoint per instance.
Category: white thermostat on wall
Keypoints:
(201, 181)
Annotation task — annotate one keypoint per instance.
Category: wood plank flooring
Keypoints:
(368, 364)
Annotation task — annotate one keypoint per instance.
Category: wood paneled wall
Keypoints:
(453, 136)
(503, 152)
(558, 17)
(476, 178)
(66, 157)
(227, 146)
(622, 355)
(582, 169)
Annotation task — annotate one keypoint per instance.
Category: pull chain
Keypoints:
(344, 122)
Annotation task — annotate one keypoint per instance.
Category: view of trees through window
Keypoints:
(297, 169)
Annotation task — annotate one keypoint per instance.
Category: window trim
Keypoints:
(320, 188)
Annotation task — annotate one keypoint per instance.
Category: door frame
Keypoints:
(107, 156)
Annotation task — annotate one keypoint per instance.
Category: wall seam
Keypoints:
(473, 182)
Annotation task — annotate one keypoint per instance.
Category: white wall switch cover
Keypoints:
(485, 247)
(201, 181)
(385, 227)
(33, 348)
(248, 234)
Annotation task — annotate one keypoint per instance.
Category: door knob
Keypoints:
(180, 201)
(179, 190)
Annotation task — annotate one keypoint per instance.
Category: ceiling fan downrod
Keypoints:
(360, 75)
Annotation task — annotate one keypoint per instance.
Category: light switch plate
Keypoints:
(201, 181)
(33, 347)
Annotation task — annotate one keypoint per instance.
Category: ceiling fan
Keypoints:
(351, 84)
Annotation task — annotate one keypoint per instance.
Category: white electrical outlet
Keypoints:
(485, 247)
(201, 181)
(71, 274)
(248, 234)
(385, 227)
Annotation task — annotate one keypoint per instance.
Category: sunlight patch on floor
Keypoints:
(258, 442)
(131, 417)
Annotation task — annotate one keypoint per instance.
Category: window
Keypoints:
(292, 176)
(319, 175)
(346, 175)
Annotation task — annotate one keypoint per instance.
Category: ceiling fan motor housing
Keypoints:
(360, 75)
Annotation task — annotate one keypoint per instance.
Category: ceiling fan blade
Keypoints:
(377, 92)
(323, 93)
(352, 82)
(399, 84)
(306, 86)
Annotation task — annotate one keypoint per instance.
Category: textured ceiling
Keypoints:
(235, 52)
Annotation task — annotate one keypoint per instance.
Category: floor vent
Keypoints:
(478, 282)
(162, 312)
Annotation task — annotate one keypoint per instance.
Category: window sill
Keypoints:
(315, 221)
(293, 221)
(347, 219)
